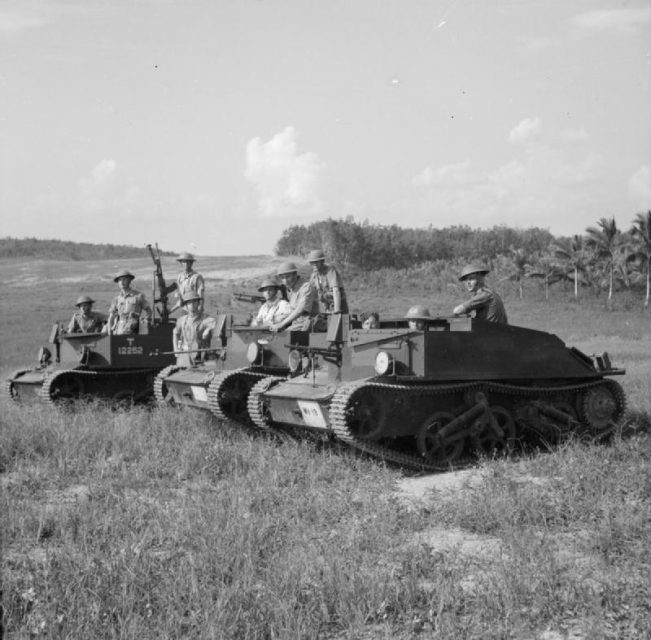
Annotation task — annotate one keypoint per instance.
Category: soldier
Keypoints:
(127, 307)
(328, 284)
(418, 317)
(187, 281)
(85, 320)
(303, 301)
(372, 321)
(486, 304)
(274, 308)
(193, 331)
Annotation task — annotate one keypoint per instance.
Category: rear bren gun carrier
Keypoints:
(437, 398)
(98, 365)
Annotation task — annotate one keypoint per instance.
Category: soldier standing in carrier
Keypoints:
(303, 301)
(193, 331)
(486, 304)
(274, 308)
(127, 307)
(188, 281)
(328, 284)
(85, 320)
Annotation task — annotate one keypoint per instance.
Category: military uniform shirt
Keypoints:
(304, 298)
(189, 331)
(324, 283)
(128, 306)
(271, 313)
(92, 323)
(487, 305)
(187, 283)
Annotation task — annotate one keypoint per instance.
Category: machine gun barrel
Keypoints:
(162, 287)
(248, 297)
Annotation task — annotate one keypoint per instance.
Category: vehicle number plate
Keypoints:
(312, 414)
(199, 393)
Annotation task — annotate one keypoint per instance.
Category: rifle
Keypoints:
(248, 297)
(162, 287)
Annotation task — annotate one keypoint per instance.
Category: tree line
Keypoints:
(67, 250)
(605, 257)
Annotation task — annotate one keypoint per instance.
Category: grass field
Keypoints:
(169, 524)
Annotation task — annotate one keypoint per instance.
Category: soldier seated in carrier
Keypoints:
(274, 308)
(127, 307)
(486, 304)
(193, 332)
(418, 317)
(303, 302)
(85, 320)
(372, 321)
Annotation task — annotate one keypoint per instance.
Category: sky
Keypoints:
(213, 125)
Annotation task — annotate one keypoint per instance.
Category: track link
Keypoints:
(254, 403)
(160, 389)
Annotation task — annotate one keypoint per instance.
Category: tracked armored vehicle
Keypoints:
(219, 379)
(119, 368)
(434, 399)
(95, 365)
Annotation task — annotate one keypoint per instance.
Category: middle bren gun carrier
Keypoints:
(435, 399)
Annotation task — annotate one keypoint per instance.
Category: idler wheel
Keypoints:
(366, 413)
(431, 446)
(488, 438)
(601, 407)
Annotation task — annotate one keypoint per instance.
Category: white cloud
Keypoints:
(545, 187)
(288, 183)
(96, 192)
(525, 130)
(639, 187)
(447, 174)
(624, 21)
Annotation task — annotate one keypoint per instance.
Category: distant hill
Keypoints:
(66, 250)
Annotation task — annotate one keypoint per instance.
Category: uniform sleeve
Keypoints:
(113, 309)
(334, 279)
(72, 324)
(305, 298)
(282, 311)
(200, 285)
(145, 306)
(479, 300)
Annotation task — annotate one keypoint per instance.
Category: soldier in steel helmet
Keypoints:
(303, 301)
(127, 307)
(85, 320)
(418, 317)
(193, 331)
(486, 304)
(328, 284)
(188, 281)
(274, 308)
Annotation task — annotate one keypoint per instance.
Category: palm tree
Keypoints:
(641, 231)
(547, 270)
(573, 253)
(603, 240)
(520, 260)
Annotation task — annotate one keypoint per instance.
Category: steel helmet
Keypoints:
(186, 257)
(192, 295)
(418, 312)
(286, 267)
(315, 256)
(269, 283)
(83, 300)
(124, 274)
(468, 270)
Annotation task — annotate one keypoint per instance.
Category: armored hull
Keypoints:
(95, 365)
(433, 399)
